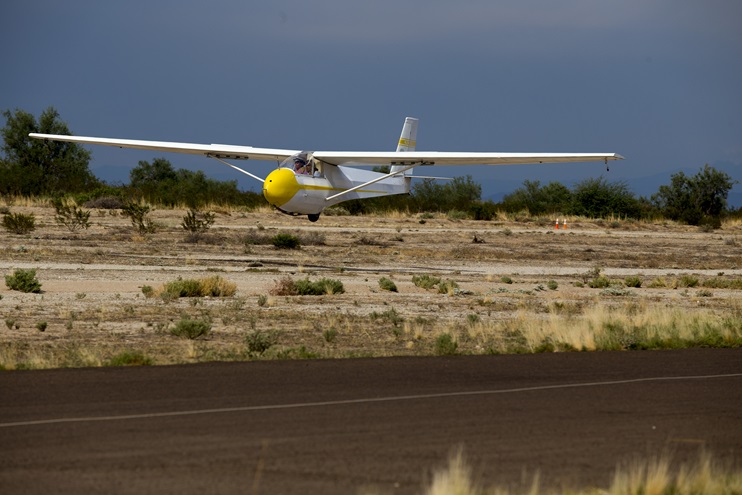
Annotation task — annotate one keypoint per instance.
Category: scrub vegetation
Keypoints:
(108, 290)
(35, 168)
(653, 475)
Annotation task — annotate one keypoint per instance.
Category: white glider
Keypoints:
(306, 182)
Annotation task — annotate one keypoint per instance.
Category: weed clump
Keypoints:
(70, 215)
(191, 329)
(23, 281)
(138, 213)
(258, 342)
(425, 281)
(447, 287)
(127, 358)
(214, 286)
(197, 223)
(286, 241)
(446, 345)
(387, 284)
(289, 287)
(19, 223)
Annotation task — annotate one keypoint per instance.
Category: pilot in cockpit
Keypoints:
(300, 166)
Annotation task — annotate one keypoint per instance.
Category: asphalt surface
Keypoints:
(346, 426)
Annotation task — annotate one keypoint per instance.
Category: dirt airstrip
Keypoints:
(92, 306)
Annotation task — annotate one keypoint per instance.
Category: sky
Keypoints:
(658, 81)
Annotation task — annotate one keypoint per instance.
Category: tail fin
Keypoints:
(407, 141)
(408, 138)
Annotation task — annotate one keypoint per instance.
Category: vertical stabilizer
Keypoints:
(408, 138)
(407, 142)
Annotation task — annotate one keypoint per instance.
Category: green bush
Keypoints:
(425, 281)
(688, 281)
(138, 213)
(19, 223)
(23, 281)
(286, 241)
(214, 286)
(387, 284)
(129, 359)
(633, 281)
(447, 287)
(446, 345)
(258, 342)
(191, 329)
(319, 288)
(70, 215)
(196, 223)
(552, 285)
(599, 282)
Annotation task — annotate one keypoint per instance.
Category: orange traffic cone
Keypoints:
(564, 224)
(556, 225)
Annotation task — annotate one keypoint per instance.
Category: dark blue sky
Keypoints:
(659, 81)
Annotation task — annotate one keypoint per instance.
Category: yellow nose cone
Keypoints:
(280, 186)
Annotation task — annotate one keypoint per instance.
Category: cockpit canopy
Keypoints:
(302, 163)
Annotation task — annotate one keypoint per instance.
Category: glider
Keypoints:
(307, 182)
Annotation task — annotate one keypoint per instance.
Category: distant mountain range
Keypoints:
(642, 186)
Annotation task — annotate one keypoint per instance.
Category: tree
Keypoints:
(697, 200)
(32, 166)
(537, 199)
(457, 194)
(597, 198)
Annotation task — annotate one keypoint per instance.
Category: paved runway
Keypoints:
(342, 426)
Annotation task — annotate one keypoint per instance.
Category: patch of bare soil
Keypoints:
(94, 308)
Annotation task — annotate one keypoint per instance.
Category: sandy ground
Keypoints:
(92, 280)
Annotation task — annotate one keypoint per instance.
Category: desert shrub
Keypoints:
(182, 288)
(70, 215)
(457, 215)
(425, 281)
(256, 237)
(258, 341)
(191, 329)
(599, 282)
(138, 213)
(105, 203)
(214, 286)
(148, 291)
(312, 238)
(319, 287)
(391, 315)
(446, 345)
(19, 223)
(23, 281)
(483, 210)
(552, 285)
(127, 358)
(506, 280)
(197, 223)
(289, 287)
(284, 287)
(286, 241)
(633, 281)
(447, 287)
(387, 284)
(41, 326)
(330, 335)
(688, 281)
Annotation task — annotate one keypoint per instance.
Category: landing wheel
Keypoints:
(313, 217)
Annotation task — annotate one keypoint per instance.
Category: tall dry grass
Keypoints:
(605, 327)
(653, 476)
